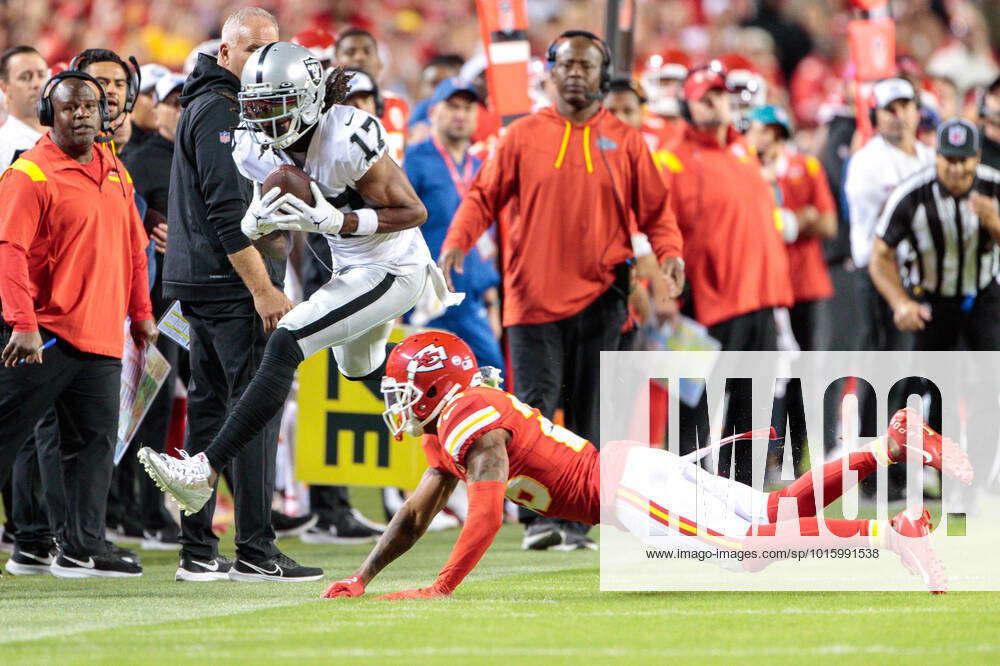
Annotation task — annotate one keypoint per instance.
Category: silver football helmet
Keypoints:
(282, 93)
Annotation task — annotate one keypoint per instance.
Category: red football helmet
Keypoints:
(661, 78)
(423, 373)
(318, 40)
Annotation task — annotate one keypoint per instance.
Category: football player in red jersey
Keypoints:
(502, 447)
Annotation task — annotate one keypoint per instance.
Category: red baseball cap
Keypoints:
(700, 81)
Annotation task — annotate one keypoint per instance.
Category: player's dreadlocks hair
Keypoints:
(338, 84)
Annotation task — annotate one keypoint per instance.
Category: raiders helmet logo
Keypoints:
(314, 69)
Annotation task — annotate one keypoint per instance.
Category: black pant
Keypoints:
(38, 505)
(558, 363)
(878, 329)
(84, 389)
(227, 343)
(753, 331)
(951, 328)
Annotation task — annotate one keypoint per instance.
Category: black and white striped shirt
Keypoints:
(952, 255)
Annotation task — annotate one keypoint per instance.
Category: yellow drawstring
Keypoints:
(586, 149)
(562, 148)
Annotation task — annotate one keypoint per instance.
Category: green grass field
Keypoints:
(515, 608)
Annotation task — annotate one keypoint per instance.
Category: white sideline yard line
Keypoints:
(591, 653)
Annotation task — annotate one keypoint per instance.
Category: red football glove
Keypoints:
(431, 592)
(348, 587)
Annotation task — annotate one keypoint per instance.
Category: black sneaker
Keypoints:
(279, 568)
(122, 553)
(291, 526)
(192, 569)
(541, 534)
(574, 537)
(167, 538)
(6, 540)
(106, 565)
(31, 560)
(346, 528)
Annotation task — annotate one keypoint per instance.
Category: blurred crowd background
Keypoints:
(800, 46)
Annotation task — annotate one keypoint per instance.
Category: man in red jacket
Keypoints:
(72, 266)
(735, 254)
(573, 175)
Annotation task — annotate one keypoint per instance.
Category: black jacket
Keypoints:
(991, 152)
(208, 196)
(149, 164)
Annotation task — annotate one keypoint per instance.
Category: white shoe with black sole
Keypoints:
(280, 568)
(107, 565)
(194, 570)
(164, 539)
(31, 561)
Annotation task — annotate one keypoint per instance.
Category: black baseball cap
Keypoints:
(958, 138)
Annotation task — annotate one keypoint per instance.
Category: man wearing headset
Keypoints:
(72, 267)
(575, 174)
(736, 260)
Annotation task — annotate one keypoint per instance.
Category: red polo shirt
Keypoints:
(72, 248)
(734, 254)
(803, 183)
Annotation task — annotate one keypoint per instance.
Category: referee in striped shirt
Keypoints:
(944, 222)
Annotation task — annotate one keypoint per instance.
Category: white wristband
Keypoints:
(641, 245)
(367, 222)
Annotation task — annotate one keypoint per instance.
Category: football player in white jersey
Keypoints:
(369, 213)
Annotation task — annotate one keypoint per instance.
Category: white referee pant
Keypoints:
(353, 313)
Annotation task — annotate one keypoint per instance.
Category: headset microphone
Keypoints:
(105, 138)
(593, 96)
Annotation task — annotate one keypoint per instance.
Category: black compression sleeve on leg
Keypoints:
(263, 398)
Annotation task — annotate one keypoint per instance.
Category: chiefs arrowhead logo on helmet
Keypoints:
(422, 374)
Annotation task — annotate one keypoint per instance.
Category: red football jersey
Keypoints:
(395, 117)
(552, 470)
(803, 183)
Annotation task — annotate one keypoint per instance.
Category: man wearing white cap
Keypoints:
(143, 119)
(889, 158)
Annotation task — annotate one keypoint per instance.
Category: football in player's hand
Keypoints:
(290, 180)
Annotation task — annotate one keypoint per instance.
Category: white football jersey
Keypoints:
(346, 144)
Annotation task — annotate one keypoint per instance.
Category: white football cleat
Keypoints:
(186, 479)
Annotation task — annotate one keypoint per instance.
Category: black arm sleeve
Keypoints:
(222, 185)
(894, 224)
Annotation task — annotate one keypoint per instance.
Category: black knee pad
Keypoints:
(282, 349)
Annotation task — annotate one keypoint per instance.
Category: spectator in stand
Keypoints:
(34, 499)
(889, 158)
(576, 174)
(439, 68)
(989, 117)
(735, 257)
(72, 265)
(357, 47)
(808, 215)
(441, 171)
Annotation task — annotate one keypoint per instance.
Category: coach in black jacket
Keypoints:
(231, 296)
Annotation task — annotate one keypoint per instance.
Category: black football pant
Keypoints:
(557, 364)
(227, 344)
(84, 388)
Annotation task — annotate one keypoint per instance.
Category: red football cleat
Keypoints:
(910, 539)
(938, 452)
